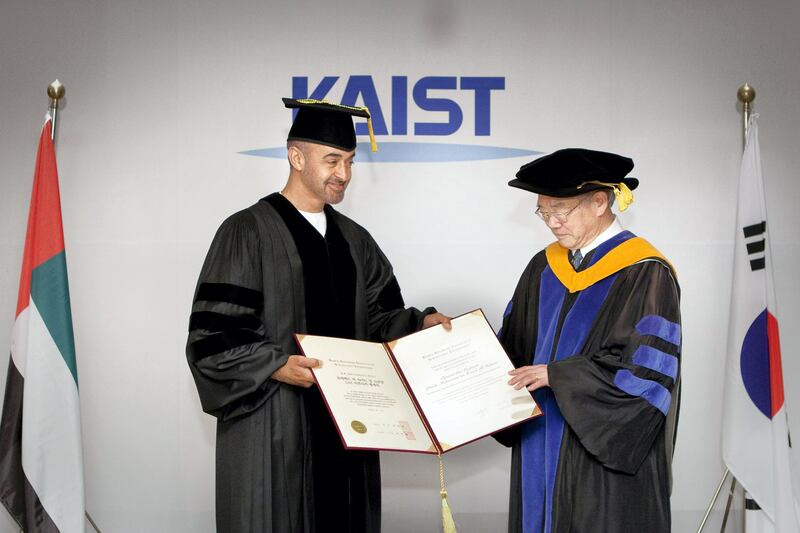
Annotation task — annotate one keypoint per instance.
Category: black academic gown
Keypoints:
(612, 466)
(251, 298)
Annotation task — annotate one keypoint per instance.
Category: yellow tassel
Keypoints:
(622, 193)
(372, 144)
(448, 524)
(624, 196)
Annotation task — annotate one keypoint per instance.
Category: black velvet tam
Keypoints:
(566, 172)
(324, 123)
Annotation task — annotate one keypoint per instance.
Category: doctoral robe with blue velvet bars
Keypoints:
(599, 460)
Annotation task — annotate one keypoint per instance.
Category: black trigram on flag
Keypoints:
(756, 243)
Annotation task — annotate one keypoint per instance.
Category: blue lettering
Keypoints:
(399, 105)
(483, 88)
(437, 104)
(363, 86)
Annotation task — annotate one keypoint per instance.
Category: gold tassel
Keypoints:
(622, 193)
(624, 196)
(448, 524)
(372, 144)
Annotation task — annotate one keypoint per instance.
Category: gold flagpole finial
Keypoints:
(56, 92)
(746, 94)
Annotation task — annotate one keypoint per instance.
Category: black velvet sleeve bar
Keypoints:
(229, 355)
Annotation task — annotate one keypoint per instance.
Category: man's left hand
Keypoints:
(531, 377)
(437, 318)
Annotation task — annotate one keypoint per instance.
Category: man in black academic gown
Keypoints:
(289, 264)
(594, 331)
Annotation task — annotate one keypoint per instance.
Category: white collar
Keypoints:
(607, 233)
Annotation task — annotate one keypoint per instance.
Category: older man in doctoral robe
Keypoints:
(594, 329)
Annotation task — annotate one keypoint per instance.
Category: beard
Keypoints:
(333, 190)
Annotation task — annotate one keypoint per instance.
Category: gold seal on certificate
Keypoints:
(428, 392)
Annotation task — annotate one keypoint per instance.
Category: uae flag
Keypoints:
(41, 461)
(755, 435)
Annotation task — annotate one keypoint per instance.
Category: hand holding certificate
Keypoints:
(428, 392)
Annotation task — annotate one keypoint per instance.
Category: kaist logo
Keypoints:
(364, 87)
(439, 104)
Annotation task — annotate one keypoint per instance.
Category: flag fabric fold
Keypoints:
(755, 433)
(41, 458)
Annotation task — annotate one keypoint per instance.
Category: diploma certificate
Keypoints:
(428, 392)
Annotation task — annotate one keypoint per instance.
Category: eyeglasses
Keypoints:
(560, 217)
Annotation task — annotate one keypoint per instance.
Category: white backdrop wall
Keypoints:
(162, 97)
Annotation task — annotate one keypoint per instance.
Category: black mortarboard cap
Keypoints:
(574, 171)
(323, 122)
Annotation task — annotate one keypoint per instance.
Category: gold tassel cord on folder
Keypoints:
(448, 524)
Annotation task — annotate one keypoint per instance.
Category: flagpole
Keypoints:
(56, 92)
(714, 499)
(727, 512)
(746, 94)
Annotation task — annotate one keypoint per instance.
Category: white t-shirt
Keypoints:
(318, 220)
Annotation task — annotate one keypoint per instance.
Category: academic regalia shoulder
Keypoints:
(623, 255)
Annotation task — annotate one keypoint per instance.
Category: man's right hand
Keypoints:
(296, 371)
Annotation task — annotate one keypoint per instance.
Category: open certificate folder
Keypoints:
(428, 392)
